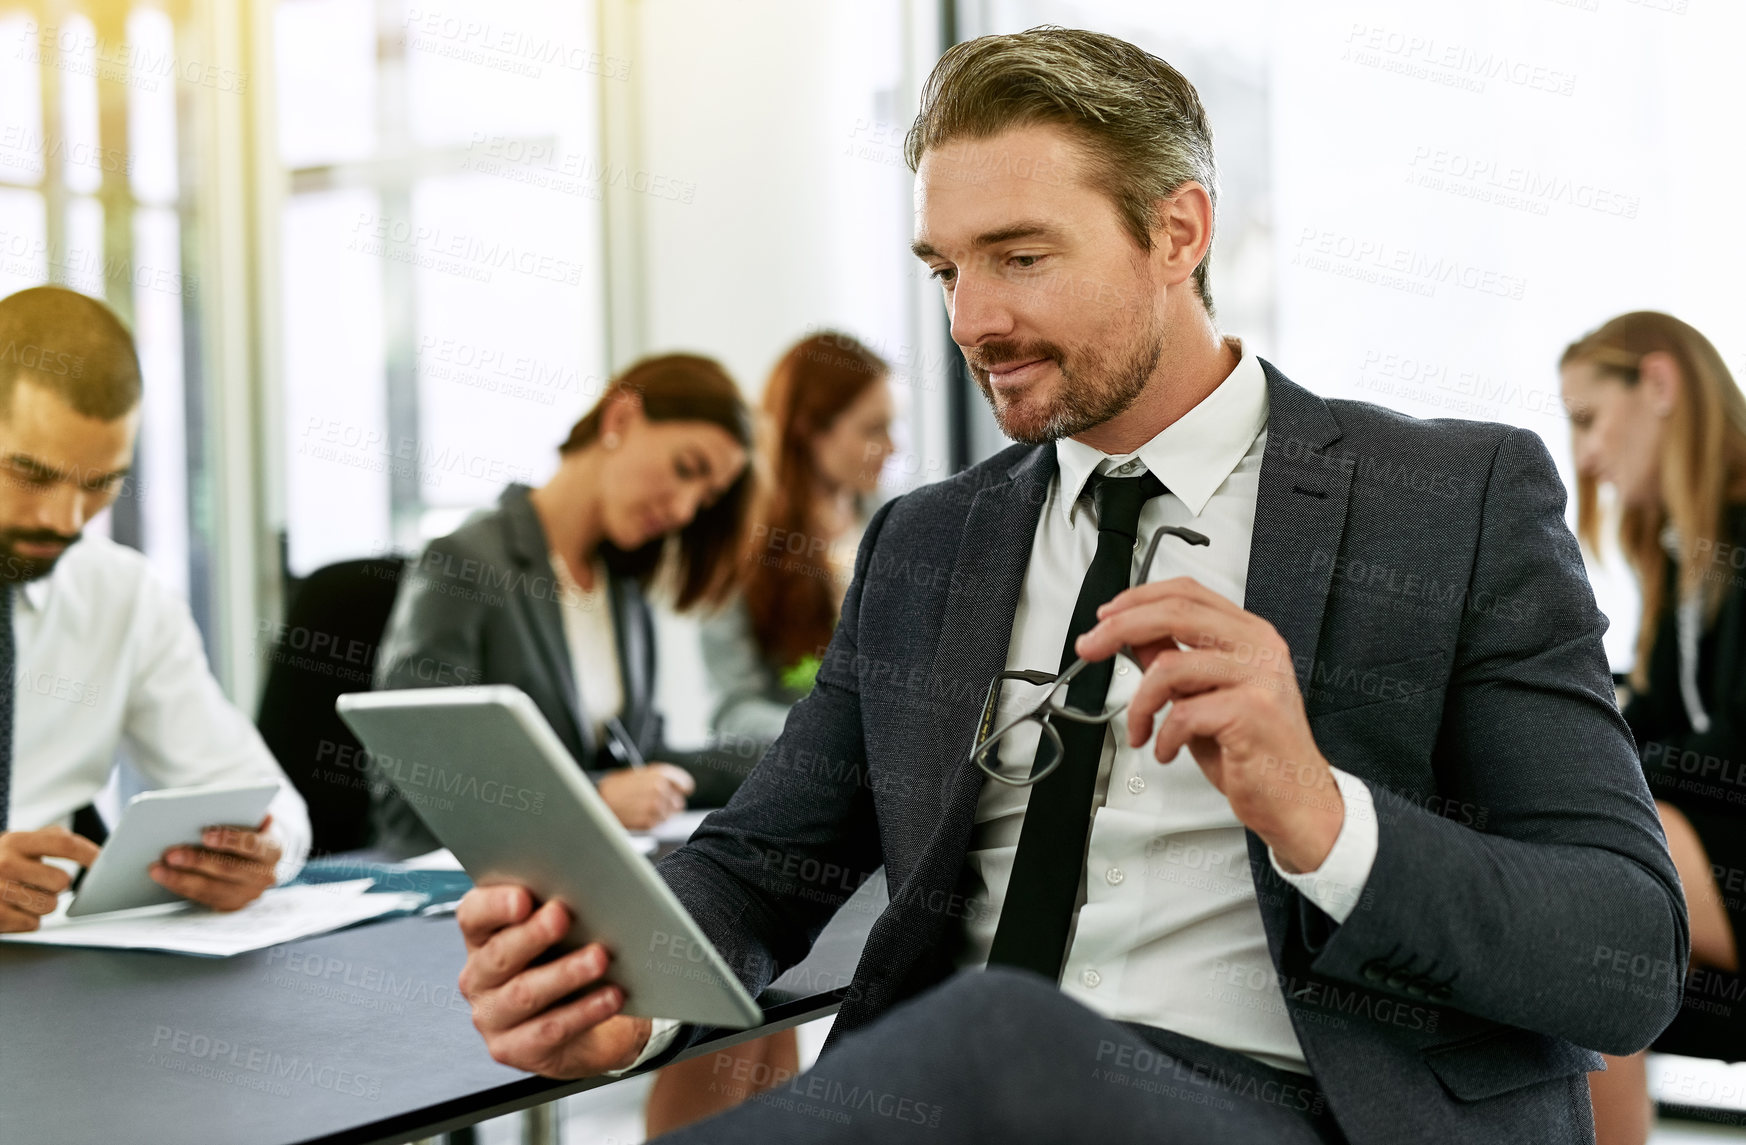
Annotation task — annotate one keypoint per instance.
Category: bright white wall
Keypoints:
(787, 116)
(764, 105)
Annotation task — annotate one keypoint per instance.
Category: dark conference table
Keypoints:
(354, 1037)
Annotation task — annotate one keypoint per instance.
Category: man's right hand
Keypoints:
(516, 1005)
(642, 797)
(30, 887)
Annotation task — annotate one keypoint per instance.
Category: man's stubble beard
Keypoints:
(1090, 392)
(16, 568)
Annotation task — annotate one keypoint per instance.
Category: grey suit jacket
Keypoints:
(482, 606)
(1522, 903)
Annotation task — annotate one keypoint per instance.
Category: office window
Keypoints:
(90, 199)
(441, 269)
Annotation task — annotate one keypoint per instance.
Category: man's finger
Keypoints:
(507, 953)
(1174, 675)
(56, 841)
(29, 898)
(241, 841)
(223, 866)
(1207, 715)
(483, 911)
(538, 989)
(220, 894)
(1185, 587)
(1189, 622)
(540, 1043)
(42, 876)
(14, 921)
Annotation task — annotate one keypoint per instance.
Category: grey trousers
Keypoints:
(1004, 1056)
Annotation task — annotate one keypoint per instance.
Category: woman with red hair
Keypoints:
(827, 414)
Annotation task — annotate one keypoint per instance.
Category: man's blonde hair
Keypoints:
(1141, 120)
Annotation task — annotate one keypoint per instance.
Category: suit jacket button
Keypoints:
(1374, 971)
(1440, 994)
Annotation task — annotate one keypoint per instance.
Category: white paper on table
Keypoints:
(279, 915)
(441, 859)
(678, 828)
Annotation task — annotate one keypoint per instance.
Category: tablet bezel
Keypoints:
(152, 823)
(568, 845)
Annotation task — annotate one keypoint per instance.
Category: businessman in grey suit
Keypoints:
(1361, 851)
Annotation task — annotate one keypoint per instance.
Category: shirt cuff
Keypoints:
(293, 853)
(661, 1034)
(1336, 885)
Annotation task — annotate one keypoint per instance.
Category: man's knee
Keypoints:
(999, 990)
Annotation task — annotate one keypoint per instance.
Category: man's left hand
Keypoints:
(1235, 705)
(229, 870)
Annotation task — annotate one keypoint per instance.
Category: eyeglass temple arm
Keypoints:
(1027, 676)
(1188, 535)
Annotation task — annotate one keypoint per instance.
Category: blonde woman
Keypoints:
(1655, 414)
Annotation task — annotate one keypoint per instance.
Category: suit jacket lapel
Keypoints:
(974, 638)
(537, 598)
(1300, 510)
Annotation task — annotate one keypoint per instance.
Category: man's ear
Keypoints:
(1182, 230)
(1659, 373)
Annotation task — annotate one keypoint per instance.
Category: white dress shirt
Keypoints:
(1168, 917)
(593, 645)
(1168, 903)
(108, 656)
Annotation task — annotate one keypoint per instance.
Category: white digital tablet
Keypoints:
(494, 783)
(153, 822)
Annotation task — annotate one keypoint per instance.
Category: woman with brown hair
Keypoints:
(547, 590)
(827, 414)
(1655, 415)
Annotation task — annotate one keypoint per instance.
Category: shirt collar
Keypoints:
(1194, 454)
(34, 593)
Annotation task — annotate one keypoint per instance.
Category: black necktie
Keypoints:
(1038, 912)
(8, 687)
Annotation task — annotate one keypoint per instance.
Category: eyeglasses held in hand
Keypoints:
(1053, 705)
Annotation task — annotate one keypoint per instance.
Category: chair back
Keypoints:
(326, 647)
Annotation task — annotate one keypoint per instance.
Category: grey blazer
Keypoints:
(481, 606)
(752, 703)
(1522, 910)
